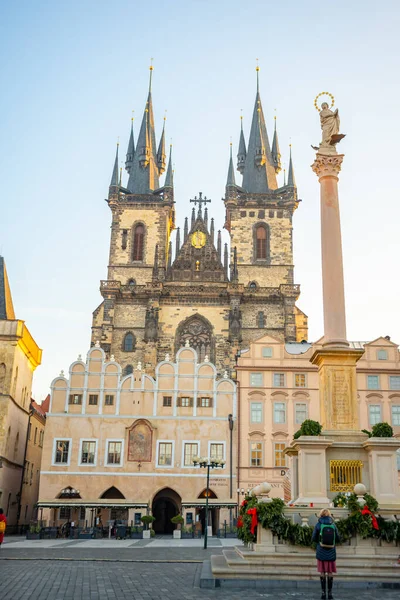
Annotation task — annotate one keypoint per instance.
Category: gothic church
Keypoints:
(214, 299)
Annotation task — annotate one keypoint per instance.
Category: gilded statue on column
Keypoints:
(330, 125)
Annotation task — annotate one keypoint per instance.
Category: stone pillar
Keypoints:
(384, 481)
(327, 167)
(312, 465)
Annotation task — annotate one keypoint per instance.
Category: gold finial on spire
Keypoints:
(132, 117)
(151, 68)
(257, 70)
(118, 141)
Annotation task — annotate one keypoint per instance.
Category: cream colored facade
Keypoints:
(279, 388)
(19, 357)
(118, 446)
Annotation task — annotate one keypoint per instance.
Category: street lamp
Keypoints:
(207, 463)
(243, 492)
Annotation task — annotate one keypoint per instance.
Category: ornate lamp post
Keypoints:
(207, 463)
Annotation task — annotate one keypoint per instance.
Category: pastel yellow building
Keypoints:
(19, 357)
(118, 446)
(278, 388)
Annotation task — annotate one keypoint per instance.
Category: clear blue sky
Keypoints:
(70, 76)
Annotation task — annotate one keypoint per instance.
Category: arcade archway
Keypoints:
(166, 504)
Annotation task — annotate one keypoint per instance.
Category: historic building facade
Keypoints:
(19, 357)
(33, 459)
(119, 446)
(157, 297)
(278, 389)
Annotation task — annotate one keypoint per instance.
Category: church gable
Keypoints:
(197, 259)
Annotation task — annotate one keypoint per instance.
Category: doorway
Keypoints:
(166, 504)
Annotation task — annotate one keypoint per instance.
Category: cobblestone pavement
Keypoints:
(67, 580)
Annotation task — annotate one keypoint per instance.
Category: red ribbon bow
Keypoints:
(254, 520)
(239, 523)
(366, 511)
(244, 503)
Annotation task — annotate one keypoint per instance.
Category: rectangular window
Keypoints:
(373, 382)
(280, 458)
(75, 399)
(300, 413)
(217, 451)
(65, 513)
(35, 438)
(185, 402)
(88, 453)
(279, 412)
(382, 354)
(109, 400)
(138, 522)
(165, 454)
(256, 412)
(396, 415)
(374, 414)
(167, 401)
(62, 451)
(394, 382)
(189, 518)
(114, 453)
(190, 450)
(279, 379)
(256, 454)
(300, 380)
(256, 379)
(204, 402)
(82, 513)
(93, 399)
(267, 352)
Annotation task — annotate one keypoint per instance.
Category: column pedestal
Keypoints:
(312, 470)
(338, 387)
(384, 481)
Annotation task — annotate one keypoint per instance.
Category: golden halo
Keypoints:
(324, 94)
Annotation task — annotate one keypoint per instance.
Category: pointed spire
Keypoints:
(114, 176)
(131, 150)
(6, 303)
(155, 265)
(161, 151)
(212, 230)
(242, 153)
(219, 245)
(193, 221)
(186, 230)
(177, 241)
(276, 153)
(169, 255)
(120, 177)
(226, 260)
(291, 178)
(231, 173)
(169, 178)
(259, 172)
(144, 172)
(206, 217)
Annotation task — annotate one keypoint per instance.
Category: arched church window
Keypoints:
(261, 242)
(128, 370)
(261, 320)
(252, 285)
(138, 242)
(129, 343)
(198, 333)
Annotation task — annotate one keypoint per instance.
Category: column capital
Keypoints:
(327, 165)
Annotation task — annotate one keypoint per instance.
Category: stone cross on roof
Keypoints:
(200, 200)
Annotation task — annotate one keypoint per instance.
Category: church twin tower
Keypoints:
(156, 300)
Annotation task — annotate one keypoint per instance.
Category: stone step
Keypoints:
(283, 571)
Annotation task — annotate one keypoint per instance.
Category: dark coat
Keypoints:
(325, 553)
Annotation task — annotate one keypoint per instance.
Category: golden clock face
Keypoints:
(198, 239)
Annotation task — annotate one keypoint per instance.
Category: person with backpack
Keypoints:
(326, 535)
(3, 524)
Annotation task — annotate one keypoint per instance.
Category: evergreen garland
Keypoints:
(271, 516)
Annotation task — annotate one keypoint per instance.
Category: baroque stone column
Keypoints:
(336, 360)
(327, 168)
